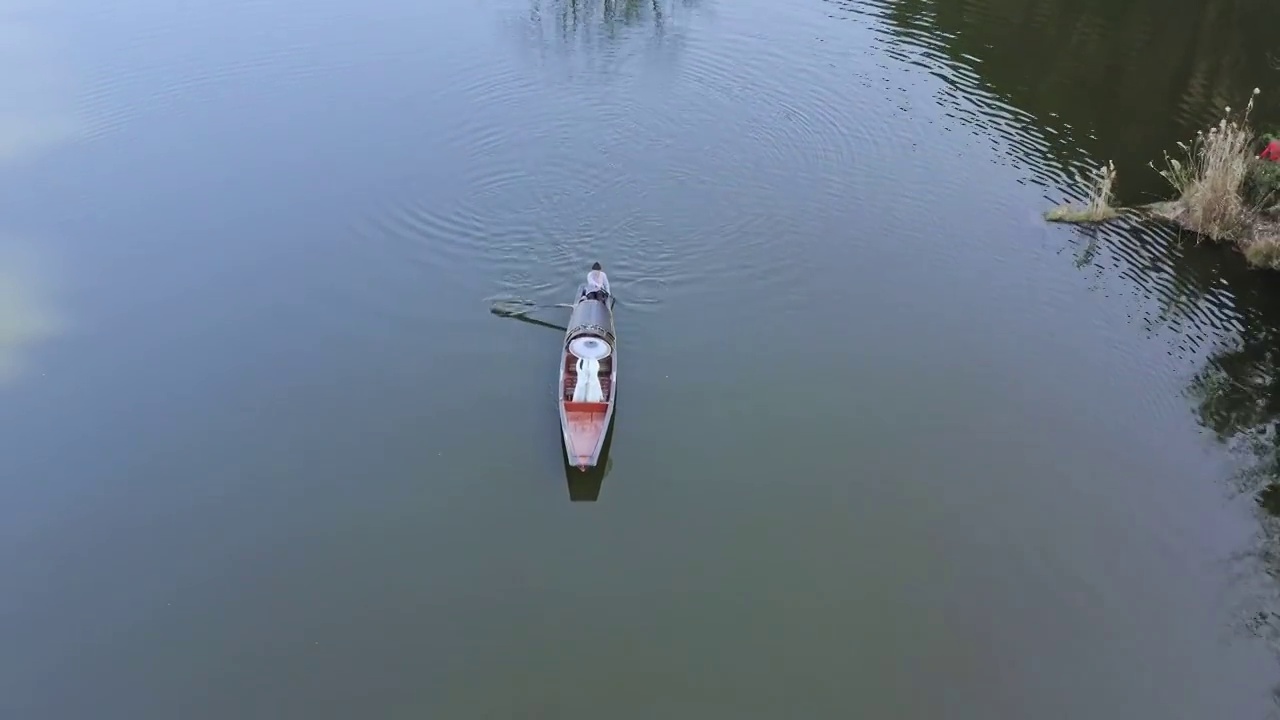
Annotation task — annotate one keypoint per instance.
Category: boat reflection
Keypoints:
(584, 485)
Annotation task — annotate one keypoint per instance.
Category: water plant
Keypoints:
(1226, 192)
(1210, 179)
(1099, 207)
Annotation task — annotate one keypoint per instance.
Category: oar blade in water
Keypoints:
(516, 308)
(512, 308)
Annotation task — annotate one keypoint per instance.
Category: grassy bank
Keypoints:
(1225, 191)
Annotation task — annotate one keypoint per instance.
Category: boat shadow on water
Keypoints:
(584, 485)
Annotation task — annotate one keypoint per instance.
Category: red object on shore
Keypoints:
(1271, 151)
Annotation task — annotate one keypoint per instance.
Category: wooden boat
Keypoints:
(588, 379)
(585, 485)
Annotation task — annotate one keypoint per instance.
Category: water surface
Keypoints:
(887, 444)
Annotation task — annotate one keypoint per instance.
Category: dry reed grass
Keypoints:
(1099, 207)
(1225, 192)
(1211, 177)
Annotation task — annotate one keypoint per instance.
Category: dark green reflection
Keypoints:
(1126, 81)
(1120, 80)
(1096, 80)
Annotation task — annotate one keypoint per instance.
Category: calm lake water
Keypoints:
(888, 445)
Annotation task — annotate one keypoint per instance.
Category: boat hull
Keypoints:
(585, 421)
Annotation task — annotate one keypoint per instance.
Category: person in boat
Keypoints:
(597, 283)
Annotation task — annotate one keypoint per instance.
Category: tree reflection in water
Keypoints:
(1076, 82)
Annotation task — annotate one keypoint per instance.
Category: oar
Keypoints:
(539, 323)
(514, 308)
(520, 309)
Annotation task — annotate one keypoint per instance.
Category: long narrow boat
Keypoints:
(588, 379)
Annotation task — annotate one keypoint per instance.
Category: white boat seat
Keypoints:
(588, 387)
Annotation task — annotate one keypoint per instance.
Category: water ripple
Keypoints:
(1051, 151)
(253, 49)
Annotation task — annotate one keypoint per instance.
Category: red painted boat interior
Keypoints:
(585, 407)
